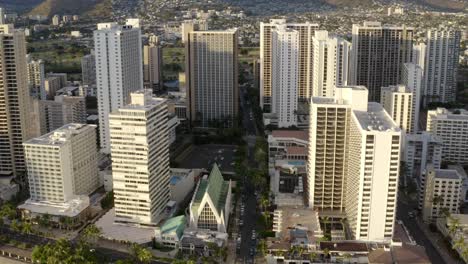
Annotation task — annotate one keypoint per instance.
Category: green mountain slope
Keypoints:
(51, 7)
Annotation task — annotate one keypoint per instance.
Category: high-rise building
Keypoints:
(212, 77)
(328, 144)
(412, 79)
(419, 54)
(62, 110)
(398, 102)
(441, 65)
(452, 128)
(36, 77)
(56, 20)
(140, 159)
(88, 69)
(2, 16)
(51, 86)
(152, 63)
(304, 82)
(285, 72)
(14, 101)
(192, 25)
(372, 176)
(442, 192)
(330, 60)
(378, 54)
(63, 77)
(62, 165)
(119, 68)
(420, 150)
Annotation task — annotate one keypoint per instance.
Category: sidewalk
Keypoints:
(437, 241)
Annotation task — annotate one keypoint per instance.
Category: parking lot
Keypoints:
(203, 156)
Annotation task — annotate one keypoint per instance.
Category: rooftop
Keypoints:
(61, 135)
(71, 208)
(299, 134)
(111, 230)
(174, 224)
(447, 174)
(344, 246)
(399, 254)
(375, 119)
(298, 217)
(215, 187)
(443, 113)
(141, 100)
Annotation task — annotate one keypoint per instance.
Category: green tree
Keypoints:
(16, 225)
(91, 233)
(141, 254)
(262, 247)
(27, 228)
(312, 256)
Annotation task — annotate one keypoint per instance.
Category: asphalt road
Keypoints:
(248, 197)
(416, 232)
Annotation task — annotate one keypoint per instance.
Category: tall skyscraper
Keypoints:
(36, 77)
(328, 144)
(152, 63)
(372, 176)
(398, 102)
(140, 159)
(211, 73)
(119, 70)
(285, 72)
(2, 16)
(62, 165)
(441, 65)
(412, 78)
(88, 69)
(378, 54)
(330, 63)
(304, 82)
(451, 126)
(14, 101)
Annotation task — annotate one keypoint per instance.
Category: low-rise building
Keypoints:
(170, 233)
(211, 203)
(442, 193)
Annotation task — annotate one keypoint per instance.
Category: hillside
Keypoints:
(51, 7)
(19, 5)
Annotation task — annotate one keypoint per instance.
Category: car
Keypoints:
(241, 222)
(411, 215)
(252, 252)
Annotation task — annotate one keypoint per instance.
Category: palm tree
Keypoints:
(91, 233)
(27, 228)
(459, 243)
(437, 200)
(312, 256)
(347, 257)
(141, 254)
(326, 221)
(262, 247)
(326, 252)
(16, 226)
(264, 202)
(454, 224)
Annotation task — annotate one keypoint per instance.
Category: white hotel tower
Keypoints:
(330, 63)
(354, 155)
(140, 159)
(119, 70)
(285, 51)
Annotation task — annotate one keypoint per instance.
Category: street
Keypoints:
(248, 196)
(416, 232)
